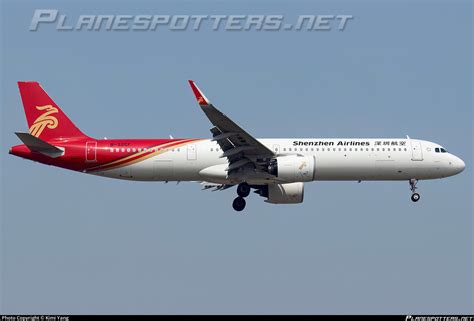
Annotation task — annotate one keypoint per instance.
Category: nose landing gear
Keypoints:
(243, 190)
(415, 197)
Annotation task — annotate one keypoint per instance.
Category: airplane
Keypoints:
(275, 169)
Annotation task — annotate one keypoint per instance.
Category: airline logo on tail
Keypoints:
(44, 120)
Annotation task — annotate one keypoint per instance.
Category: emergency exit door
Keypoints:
(192, 152)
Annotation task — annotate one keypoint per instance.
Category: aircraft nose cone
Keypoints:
(460, 165)
(456, 165)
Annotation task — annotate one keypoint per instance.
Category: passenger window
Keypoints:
(112, 150)
(123, 150)
(284, 149)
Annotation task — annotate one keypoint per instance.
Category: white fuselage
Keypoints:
(334, 159)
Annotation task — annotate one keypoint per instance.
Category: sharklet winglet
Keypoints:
(201, 99)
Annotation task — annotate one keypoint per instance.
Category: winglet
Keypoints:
(201, 99)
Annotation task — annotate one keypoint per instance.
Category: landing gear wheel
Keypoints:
(243, 190)
(239, 204)
(415, 197)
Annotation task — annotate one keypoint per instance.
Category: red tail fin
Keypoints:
(45, 119)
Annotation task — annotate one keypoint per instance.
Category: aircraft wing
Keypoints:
(240, 148)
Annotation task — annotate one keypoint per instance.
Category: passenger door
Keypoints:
(91, 151)
(416, 152)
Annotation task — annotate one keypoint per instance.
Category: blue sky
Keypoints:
(74, 243)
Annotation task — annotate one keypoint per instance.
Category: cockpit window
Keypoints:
(443, 150)
(437, 150)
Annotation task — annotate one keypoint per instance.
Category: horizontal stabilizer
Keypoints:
(38, 145)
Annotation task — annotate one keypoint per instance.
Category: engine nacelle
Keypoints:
(293, 168)
(290, 193)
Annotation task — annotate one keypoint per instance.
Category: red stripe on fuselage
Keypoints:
(74, 157)
(134, 156)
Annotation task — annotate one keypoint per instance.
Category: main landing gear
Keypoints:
(415, 197)
(243, 190)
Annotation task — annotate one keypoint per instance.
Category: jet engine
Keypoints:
(293, 168)
(290, 193)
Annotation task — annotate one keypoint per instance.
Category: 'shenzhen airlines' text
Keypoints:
(330, 143)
